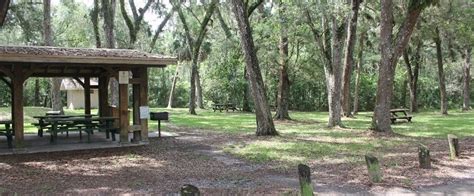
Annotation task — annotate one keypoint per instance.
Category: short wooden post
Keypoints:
(189, 190)
(304, 174)
(453, 146)
(424, 157)
(373, 167)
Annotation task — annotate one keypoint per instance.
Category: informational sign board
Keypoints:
(144, 112)
(123, 77)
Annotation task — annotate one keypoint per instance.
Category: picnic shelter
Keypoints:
(18, 63)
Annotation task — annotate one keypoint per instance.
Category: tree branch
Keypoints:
(252, 7)
(133, 8)
(224, 26)
(127, 19)
(160, 29)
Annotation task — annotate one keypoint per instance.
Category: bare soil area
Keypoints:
(196, 157)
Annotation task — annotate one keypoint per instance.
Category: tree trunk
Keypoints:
(391, 50)
(195, 48)
(48, 41)
(94, 14)
(47, 29)
(441, 77)
(56, 95)
(403, 99)
(284, 81)
(349, 59)
(334, 75)
(173, 87)
(358, 70)
(264, 119)
(381, 119)
(192, 94)
(37, 93)
(108, 10)
(413, 65)
(200, 102)
(246, 101)
(467, 80)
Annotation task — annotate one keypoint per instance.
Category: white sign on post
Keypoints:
(144, 112)
(123, 77)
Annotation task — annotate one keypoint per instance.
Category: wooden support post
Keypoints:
(87, 95)
(17, 105)
(144, 101)
(123, 112)
(189, 190)
(424, 157)
(304, 174)
(453, 146)
(373, 166)
(136, 108)
(104, 96)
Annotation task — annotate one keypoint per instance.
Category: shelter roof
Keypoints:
(99, 56)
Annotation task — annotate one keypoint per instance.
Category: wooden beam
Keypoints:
(17, 105)
(79, 81)
(87, 95)
(59, 75)
(8, 83)
(123, 112)
(6, 70)
(111, 61)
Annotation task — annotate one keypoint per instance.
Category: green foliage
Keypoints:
(221, 67)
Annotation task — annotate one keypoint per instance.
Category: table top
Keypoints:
(64, 116)
(5, 122)
(399, 110)
(223, 104)
(80, 119)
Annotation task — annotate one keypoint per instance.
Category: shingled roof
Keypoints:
(41, 54)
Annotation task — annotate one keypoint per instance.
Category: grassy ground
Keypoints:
(306, 137)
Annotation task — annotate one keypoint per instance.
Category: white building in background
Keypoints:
(75, 93)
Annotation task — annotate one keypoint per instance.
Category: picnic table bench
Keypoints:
(396, 114)
(7, 132)
(225, 106)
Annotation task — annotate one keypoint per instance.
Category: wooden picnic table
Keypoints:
(400, 113)
(7, 132)
(224, 106)
(87, 124)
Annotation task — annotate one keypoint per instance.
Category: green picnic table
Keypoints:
(224, 106)
(400, 113)
(41, 125)
(86, 124)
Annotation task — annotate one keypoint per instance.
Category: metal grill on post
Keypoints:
(159, 116)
